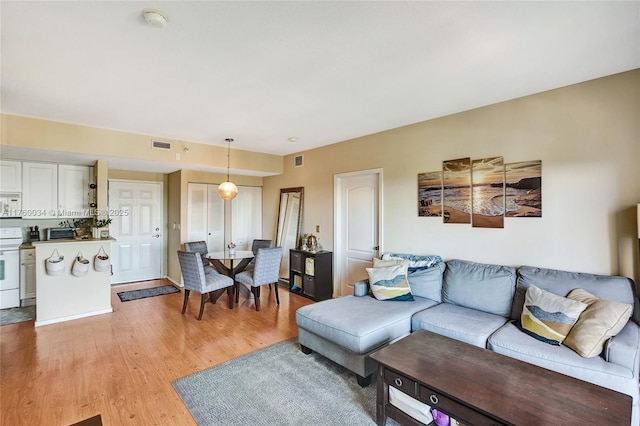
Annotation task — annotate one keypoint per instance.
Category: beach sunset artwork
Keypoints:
(523, 189)
(487, 180)
(456, 195)
(430, 194)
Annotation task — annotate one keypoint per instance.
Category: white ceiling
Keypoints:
(323, 72)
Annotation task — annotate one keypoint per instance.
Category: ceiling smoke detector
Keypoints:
(155, 17)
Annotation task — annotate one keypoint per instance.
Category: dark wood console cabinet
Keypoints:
(311, 274)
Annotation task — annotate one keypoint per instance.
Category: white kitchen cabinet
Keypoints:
(27, 274)
(10, 176)
(73, 190)
(40, 190)
(55, 191)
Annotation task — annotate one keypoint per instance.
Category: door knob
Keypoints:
(156, 236)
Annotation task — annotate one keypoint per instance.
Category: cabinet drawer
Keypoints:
(401, 382)
(456, 410)
(296, 261)
(28, 254)
(309, 285)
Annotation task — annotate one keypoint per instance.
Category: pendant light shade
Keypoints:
(228, 190)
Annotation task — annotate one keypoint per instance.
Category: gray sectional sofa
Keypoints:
(479, 304)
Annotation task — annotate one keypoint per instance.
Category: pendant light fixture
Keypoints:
(228, 190)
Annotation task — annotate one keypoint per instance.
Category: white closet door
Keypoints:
(246, 216)
(205, 215)
(215, 220)
(197, 212)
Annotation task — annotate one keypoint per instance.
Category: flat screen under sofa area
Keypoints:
(581, 325)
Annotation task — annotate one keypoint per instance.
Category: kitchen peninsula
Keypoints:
(65, 293)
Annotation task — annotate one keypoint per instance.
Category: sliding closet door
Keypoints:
(205, 215)
(246, 216)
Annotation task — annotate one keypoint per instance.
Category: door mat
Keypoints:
(126, 296)
(14, 315)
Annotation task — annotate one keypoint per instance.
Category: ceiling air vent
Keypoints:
(298, 161)
(161, 145)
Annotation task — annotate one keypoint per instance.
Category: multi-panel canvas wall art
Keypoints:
(456, 195)
(487, 180)
(481, 192)
(430, 194)
(524, 189)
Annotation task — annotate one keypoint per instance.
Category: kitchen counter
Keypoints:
(75, 240)
(65, 296)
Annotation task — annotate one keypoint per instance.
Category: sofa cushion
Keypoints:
(390, 283)
(510, 341)
(427, 282)
(617, 289)
(460, 323)
(549, 317)
(601, 320)
(487, 288)
(360, 324)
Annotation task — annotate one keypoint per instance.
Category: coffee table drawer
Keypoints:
(460, 412)
(401, 382)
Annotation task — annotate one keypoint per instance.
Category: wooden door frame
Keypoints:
(338, 250)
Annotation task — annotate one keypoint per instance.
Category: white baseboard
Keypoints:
(174, 281)
(73, 317)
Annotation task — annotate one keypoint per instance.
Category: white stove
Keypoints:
(10, 240)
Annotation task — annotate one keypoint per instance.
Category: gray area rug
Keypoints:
(278, 385)
(126, 296)
(14, 315)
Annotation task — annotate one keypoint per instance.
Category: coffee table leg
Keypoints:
(382, 397)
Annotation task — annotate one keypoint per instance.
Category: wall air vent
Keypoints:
(298, 161)
(161, 145)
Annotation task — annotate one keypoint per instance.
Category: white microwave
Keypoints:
(10, 204)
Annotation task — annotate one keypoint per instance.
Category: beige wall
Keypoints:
(587, 136)
(33, 133)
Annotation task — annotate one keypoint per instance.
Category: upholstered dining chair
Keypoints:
(201, 247)
(266, 271)
(255, 245)
(210, 286)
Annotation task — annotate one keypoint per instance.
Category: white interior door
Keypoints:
(358, 234)
(137, 227)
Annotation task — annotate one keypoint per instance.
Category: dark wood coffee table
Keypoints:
(480, 387)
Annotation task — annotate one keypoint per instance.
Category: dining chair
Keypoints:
(266, 271)
(255, 245)
(210, 286)
(201, 247)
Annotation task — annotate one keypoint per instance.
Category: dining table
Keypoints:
(237, 262)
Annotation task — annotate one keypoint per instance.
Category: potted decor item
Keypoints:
(101, 228)
(232, 248)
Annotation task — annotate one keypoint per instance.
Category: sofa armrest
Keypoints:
(624, 348)
(361, 288)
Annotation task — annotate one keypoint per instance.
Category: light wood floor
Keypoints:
(121, 365)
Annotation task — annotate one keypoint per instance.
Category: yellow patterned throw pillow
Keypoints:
(601, 320)
(549, 317)
(390, 283)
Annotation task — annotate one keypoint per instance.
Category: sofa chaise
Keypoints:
(481, 305)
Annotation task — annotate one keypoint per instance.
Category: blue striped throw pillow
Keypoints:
(390, 283)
